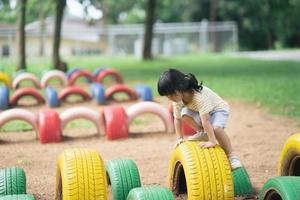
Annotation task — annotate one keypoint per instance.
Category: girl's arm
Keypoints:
(209, 130)
(178, 131)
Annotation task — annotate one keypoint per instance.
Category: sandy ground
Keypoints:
(257, 138)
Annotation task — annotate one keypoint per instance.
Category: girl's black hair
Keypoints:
(173, 80)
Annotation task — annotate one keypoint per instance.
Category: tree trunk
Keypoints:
(147, 55)
(42, 28)
(21, 48)
(57, 62)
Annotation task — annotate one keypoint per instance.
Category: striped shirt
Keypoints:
(203, 102)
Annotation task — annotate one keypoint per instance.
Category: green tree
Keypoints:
(21, 47)
(149, 30)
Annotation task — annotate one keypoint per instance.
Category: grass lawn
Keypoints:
(273, 84)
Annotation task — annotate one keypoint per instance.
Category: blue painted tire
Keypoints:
(97, 71)
(52, 98)
(98, 93)
(144, 92)
(4, 97)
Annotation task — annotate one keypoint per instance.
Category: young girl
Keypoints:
(200, 107)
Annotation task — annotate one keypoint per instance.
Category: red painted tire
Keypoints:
(150, 107)
(26, 92)
(109, 72)
(25, 76)
(19, 114)
(54, 74)
(115, 122)
(66, 92)
(49, 126)
(78, 74)
(82, 112)
(186, 129)
(121, 88)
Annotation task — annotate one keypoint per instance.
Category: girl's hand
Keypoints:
(208, 144)
(178, 142)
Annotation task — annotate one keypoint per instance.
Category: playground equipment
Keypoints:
(80, 174)
(281, 188)
(12, 181)
(22, 92)
(80, 73)
(289, 161)
(242, 183)
(5, 78)
(4, 97)
(19, 114)
(201, 173)
(23, 77)
(123, 175)
(150, 193)
(54, 74)
(144, 92)
(49, 129)
(108, 73)
(110, 92)
(150, 107)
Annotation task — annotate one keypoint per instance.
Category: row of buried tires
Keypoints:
(199, 173)
(111, 120)
(65, 79)
(55, 99)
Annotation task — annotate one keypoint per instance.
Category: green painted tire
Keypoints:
(242, 183)
(281, 188)
(150, 193)
(18, 197)
(12, 181)
(123, 176)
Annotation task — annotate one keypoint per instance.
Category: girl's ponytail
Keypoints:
(193, 82)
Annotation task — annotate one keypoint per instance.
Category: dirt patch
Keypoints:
(257, 138)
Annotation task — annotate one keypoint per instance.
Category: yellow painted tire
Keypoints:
(5, 79)
(201, 173)
(289, 160)
(80, 175)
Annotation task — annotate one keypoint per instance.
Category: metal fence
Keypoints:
(169, 39)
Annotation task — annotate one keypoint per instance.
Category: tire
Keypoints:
(242, 183)
(4, 97)
(281, 188)
(80, 175)
(49, 126)
(120, 88)
(18, 197)
(52, 98)
(25, 76)
(26, 92)
(289, 160)
(80, 73)
(115, 122)
(150, 107)
(82, 112)
(109, 72)
(98, 93)
(201, 173)
(12, 181)
(19, 114)
(150, 193)
(144, 92)
(123, 176)
(72, 71)
(98, 71)
(185, 128)
(71, 90)
(54, 74)
(5, 78)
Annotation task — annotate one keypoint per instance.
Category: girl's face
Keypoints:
(176, 97)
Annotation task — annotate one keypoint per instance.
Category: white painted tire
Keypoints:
(54, 74)
(19, 114)
(26, 76)
(82, 112)
(150, 107)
